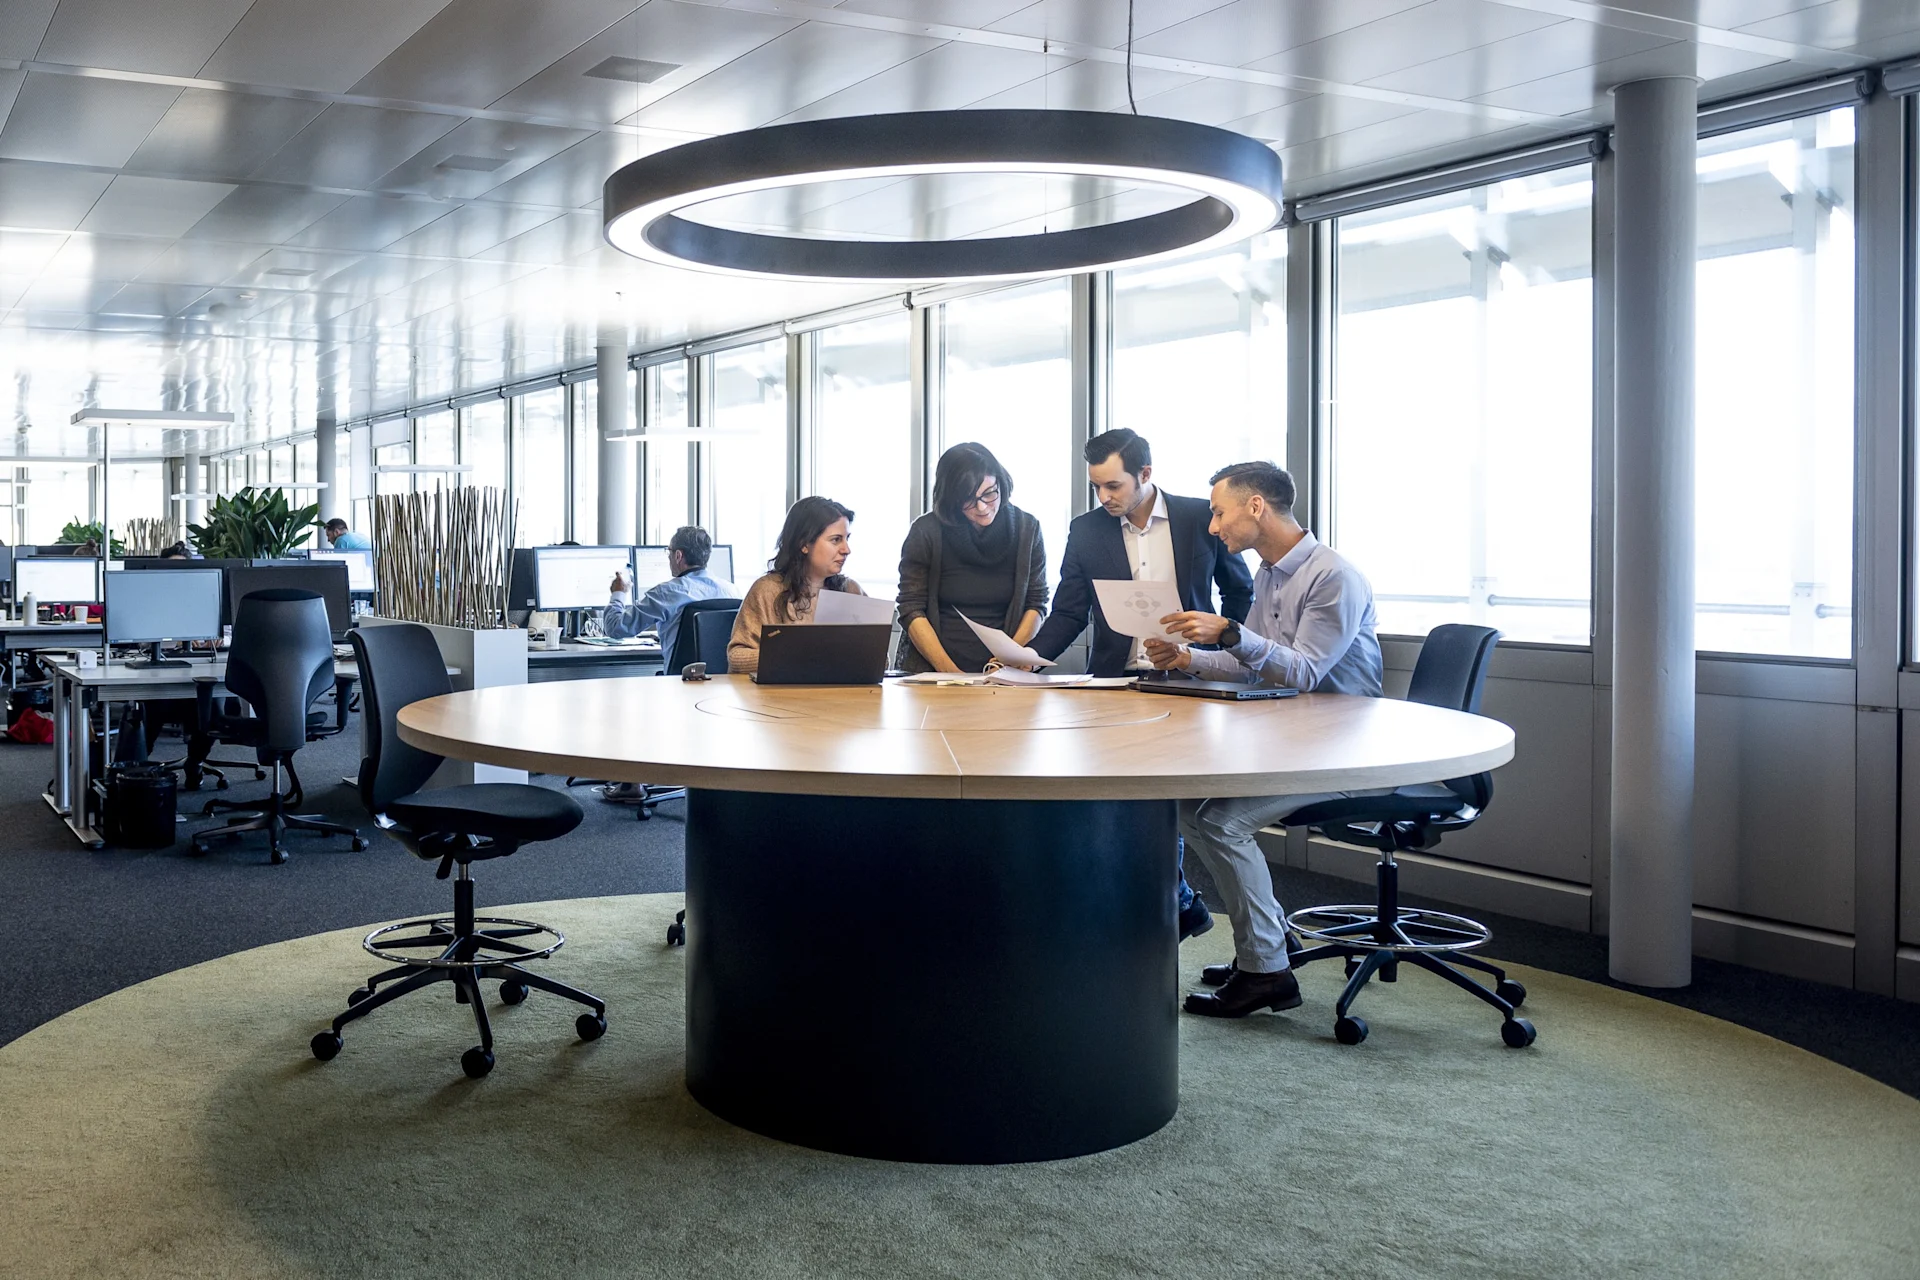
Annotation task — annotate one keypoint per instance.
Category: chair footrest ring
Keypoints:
(1358, 925)
(439, 933)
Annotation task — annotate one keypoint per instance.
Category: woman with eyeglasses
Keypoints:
(976, 554)
(813, 548)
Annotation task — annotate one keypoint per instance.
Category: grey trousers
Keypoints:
(1221, 831)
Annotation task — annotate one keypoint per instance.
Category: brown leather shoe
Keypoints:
(1246, 992)
(1216, 975)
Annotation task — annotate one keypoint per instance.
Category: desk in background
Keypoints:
(575, 661)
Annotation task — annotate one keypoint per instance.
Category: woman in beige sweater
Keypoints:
(807, 560)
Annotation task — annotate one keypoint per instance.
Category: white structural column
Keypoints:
(194, 477)
(614, 403)
(325, 468)
(1650, 920)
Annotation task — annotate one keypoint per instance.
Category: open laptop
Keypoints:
(1231, 691)
(836, 653)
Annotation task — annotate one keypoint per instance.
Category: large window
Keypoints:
(746, 478)
(483, 443)
(436, 443)
(665, 460)
(1773, 528)
(1200, 361)
(1009, 385)
(586, 463)
(862, 446)
(392, 455)
(55, 494)
(540, 467)
(1462, 419)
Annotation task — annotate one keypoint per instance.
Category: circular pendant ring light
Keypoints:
(1235, 179)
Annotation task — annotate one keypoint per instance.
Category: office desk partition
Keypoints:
(938, 923)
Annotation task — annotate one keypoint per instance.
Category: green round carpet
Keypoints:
(180, 1128)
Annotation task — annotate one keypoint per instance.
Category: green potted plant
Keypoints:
(76, 532)
(253, 524)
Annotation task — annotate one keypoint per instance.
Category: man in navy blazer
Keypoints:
(1140, 533)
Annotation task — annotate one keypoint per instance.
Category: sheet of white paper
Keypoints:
(1135, 608)
(1001, 646)
(844, 606)
(944, 677)
(1033, 679)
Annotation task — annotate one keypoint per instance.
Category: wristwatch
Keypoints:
(1229, 635)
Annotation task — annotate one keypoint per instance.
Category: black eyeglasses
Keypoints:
(980, 502)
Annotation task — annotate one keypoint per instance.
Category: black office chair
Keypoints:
(454, 826)
(281, 660)
(1376, 938)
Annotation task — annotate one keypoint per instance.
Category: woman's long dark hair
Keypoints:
(807, 519)
(957, 477)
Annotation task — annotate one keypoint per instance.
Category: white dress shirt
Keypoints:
(1150, 552)
(1312, 628)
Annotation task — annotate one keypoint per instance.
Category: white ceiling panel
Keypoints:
(210, 134)
(1087, 86)
(201, 262)
(104, 257)
(473, 51)
(943, 79)
(696, 38)
(552, 243)
(1395, 146)
(10, 83)
(1317, 117)
(1249, 30)
(1215, 102)
(82, 120)
(478, 156)
(781, 76)
(351, 146)
(1532, 55)
(1404, 39)
(1584, 89)
(26, 253)
(1724, 14)
(1841, 23)
(47, 196)
(153, 206)
(472, 230)
(290, 269)
(367, 223)
(573, 179)
(155, 299)
(164, 37)
(306, 45)
(264, 214)
(1101, 23)
(23, 25)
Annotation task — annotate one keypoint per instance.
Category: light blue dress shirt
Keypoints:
(351, 541)
(660, 608)
(1311, 628)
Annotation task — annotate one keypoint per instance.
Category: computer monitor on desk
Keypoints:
(720, 562)
(651, 567)
(576, 577)
(359, 568)
(57, 579)
(150, 608)
(326, 578)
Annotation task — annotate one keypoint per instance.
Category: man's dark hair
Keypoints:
(1135, 456)
(694, 544)
(336, 525)
(1263, 478)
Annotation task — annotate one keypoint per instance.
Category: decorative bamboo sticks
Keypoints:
(444, 557)
(146, 537)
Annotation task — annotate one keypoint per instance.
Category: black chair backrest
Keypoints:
(1451, 672)
(686, 642)
(281, 660)
(399, 665)
(712, 630)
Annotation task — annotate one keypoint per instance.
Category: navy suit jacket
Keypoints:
(1097, 549)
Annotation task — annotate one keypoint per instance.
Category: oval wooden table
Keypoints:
(938, 923)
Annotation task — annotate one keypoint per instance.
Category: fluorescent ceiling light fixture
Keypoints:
(152, 418)
(419, 468)
(1235, 181)
(195, 497)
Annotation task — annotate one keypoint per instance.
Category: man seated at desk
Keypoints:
(342, 538)
(660, 608)
(1311, 628)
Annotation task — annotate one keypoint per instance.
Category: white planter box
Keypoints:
(484, 659)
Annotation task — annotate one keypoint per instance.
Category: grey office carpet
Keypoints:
(180, 1128)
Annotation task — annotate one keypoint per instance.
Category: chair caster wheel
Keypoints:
(1353, 966)
(1512, 992)
(360, 844)
(326, 1045)
(278, 855)
(513, 992)
(358, 994)
(590, 1026)
(1350, 1030)
(198, 850)
(645, 814)
(677, 931)
(476, 1062)
(1517, 1032)
(207, 810)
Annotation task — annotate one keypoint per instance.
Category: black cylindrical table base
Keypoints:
(954, 981)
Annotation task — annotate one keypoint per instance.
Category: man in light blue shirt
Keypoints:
(660, 608)
(341, 538)
(1311, 628)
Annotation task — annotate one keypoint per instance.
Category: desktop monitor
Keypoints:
(359, 567)
(720, 563)
(6, 563)
(57, 579)
(576, 577)
(651, 567)
(520, 585)
(327, 578)
(147, 608)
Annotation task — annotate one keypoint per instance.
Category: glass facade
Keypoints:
(862, 439)
(540, 467)
(745, 478)
(665, 477)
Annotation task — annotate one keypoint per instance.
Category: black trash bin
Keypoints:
(140, 800)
